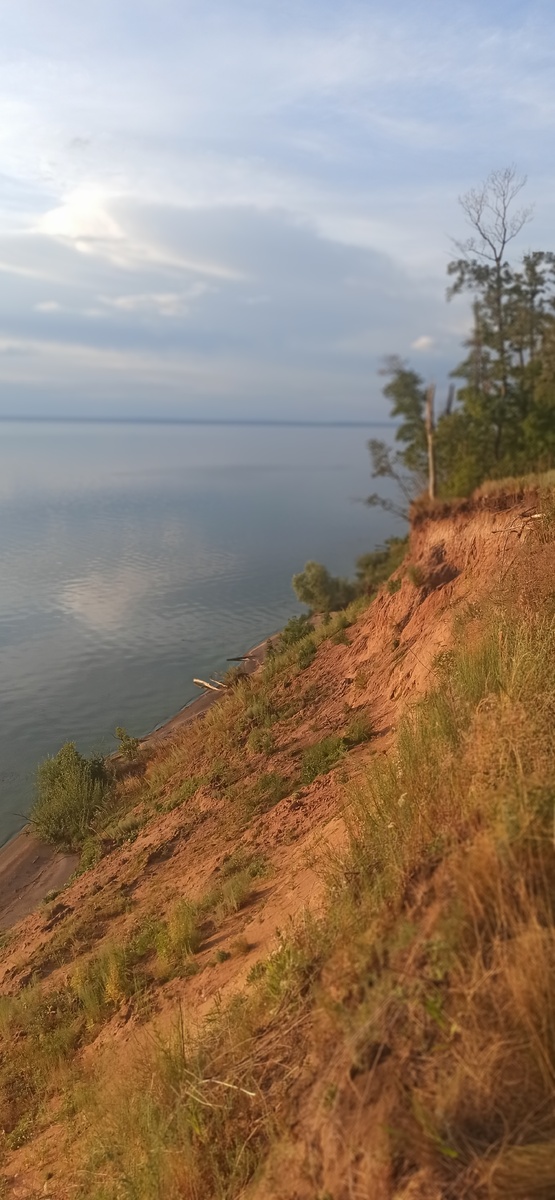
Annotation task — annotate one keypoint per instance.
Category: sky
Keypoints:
(237, 208)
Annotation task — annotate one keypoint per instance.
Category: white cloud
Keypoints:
(162, 304)
(425, 342)
(48, 306)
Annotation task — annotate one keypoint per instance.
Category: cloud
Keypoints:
(247, 209)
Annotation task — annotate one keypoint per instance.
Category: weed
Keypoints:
(393, 586)
(295, 631)
(415, 575)
(183, 793)
(71, 792)
(178, 938)
(128, 746)
(265, 792)
(306, 653)
(241, 945)
(220, 956)
(261, 741)
(358, 730)
(321, 757)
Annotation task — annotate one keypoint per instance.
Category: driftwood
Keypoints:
(212, 687)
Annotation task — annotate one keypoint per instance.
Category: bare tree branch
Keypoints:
(487, 210)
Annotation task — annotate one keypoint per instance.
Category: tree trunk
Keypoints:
(430, 429)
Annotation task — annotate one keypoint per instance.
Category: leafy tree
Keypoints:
(321, 591)
(499, 418)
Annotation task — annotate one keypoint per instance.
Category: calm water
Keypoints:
(133, 557)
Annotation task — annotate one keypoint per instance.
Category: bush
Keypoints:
(377, 566)
(321, 591)
(320, 758)
(359, 730)
(71, 791)
(416, 576)
(261, 741)
(295, 630)
(128, 746)
(307, 654)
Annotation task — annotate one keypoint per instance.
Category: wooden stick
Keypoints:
(211, 688)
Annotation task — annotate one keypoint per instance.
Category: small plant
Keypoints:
(261, 741)
(244, 860)
(241, 945)
(415, 575)
(128, 746)
(340, 638)
(320, 758)
(393, 586)
(221, 956)
(359, 730)
(295, 630)
(184, 792)
(307, 654)
(178, 937)
(71, 792)
(267, 791)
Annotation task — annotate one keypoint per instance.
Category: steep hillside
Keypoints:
(315, 957)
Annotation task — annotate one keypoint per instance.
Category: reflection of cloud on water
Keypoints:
(106, 599)
(122, 599)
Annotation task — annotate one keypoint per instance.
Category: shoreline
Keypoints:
(30, 869)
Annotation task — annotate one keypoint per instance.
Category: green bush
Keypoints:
(128, 746)
(307, 653)
(416, 575)
(295, 630)
(71, 791)
(321, 591)
(358, 730)
(377, 566)
(261, 741)
(320, 758)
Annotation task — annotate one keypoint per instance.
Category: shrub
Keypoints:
(320, 758)
(321, 591)
(261, 741)
(358, 730)
(71, 791)
(178, 937)
(295, 630)
(416, 575)
(306, 654)
(268, 790)
(128, 746)
(374, 568)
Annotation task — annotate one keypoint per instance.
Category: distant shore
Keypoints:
(30, 869)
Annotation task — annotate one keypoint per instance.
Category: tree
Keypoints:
(406, 467)
(321, 591)
(501, 418)
(483, 269)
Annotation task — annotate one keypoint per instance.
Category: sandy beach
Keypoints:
(30, 869)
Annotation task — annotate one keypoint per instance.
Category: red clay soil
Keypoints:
(388, 662)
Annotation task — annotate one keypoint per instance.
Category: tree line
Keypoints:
(498, 418)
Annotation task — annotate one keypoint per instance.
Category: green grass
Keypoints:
(72, 793)
(321, 758)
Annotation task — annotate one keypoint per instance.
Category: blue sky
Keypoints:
(236, 208)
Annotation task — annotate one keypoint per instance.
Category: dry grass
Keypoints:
(422, 1001)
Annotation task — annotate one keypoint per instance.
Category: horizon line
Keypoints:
(240, 421)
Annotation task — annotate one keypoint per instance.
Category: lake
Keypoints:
(136, 556)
